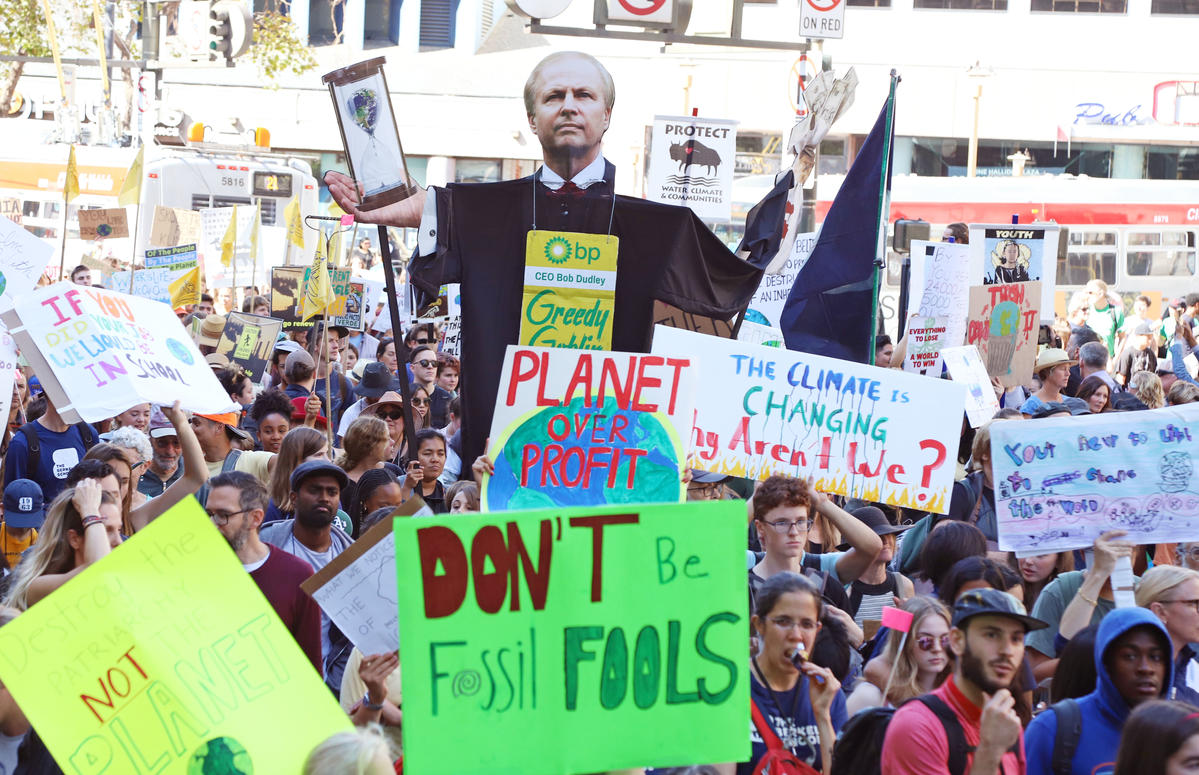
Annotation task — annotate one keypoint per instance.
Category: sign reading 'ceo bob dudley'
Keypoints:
(691, 164)
(570, 290)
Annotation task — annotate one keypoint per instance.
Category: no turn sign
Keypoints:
(658, 11)
(822, 18)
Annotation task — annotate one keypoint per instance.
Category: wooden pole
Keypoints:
(397, 331)
(328, 381)
(137, 217)
(62, 258)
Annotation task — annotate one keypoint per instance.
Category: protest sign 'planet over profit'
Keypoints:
(871, 433)
(577, 427)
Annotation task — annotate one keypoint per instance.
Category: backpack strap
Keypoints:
(974, 487)
(34, 459)
(1069, 731)
(230, 463)
(954, 736)
(85, 434)
(772, 741)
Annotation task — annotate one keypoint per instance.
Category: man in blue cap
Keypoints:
(24, 512)
(310, 534)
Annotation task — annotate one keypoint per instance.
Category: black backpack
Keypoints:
(1069, 730)
(35, 445)
(859, 748)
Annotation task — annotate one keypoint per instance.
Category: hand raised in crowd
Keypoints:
(414, 475)
(818, 499)
(483, 465)
(852, 630)
(1000, 727)
(87, 497)
(348, 193)
(373, 670)
(312, 409)
(176, 415)
(1108, 548)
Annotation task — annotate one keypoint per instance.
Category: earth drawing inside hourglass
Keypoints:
(364, 108)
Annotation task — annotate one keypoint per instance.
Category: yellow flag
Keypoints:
(186, 289)
(229, 241)
(70, 189)
(295, 224)
(335, 250)
(254, 231)
(318, 291)
(131, 189)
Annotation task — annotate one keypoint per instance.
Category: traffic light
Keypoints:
(230, 28)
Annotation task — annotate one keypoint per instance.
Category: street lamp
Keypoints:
(979, 72)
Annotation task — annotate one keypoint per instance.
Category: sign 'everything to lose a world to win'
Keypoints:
(616, 633)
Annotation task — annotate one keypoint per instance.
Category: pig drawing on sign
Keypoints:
(695, 153)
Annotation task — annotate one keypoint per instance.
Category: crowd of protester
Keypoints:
(1010, 664)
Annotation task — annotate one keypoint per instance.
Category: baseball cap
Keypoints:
(229, 420)
(1143, 329)
(298, 356)
(707, 477)
(317, 468)
(159, 424)
(287, 346)
(23, 504)
(992, 602)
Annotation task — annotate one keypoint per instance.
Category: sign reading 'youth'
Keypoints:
(1061, 482)
(582, 428)
(616, 636)
(871, 433)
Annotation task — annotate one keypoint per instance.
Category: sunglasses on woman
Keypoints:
(420, 402)
(926, 642)
(394, 414)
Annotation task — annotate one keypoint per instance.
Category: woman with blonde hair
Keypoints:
(82, 525)
(1147, 387)
(920, 667)
(1172, 594)
(363, 751)
(367, 444)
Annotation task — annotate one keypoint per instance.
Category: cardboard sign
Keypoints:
(172, 226)
(756, 333)
(451, 337)
(287, 291)
(10, 208)
(925, 338)
(1006, 253)
(357, 589)
(287, 287)
(766, 307)
(857, 430)
(616, 635)
(109, 223)
(940, 285)
(23, 258)
(248, 341)
(570, 290)
(170, 661)
(163, 267)
(584, 428)
(1061, 482)
(691, 164)
(1003, 325)
(966, 367)
(97, 352)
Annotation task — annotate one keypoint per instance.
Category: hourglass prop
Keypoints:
(369, 133)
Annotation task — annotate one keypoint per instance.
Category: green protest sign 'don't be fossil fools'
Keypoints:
(574, 640)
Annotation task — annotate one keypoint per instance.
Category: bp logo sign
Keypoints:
(557, 250)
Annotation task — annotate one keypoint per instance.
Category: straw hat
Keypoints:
(210, 330)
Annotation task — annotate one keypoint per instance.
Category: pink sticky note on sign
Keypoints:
(897, 619)
(347, 220)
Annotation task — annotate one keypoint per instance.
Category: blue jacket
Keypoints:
(1103, 710)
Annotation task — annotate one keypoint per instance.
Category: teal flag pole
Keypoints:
(884, 211)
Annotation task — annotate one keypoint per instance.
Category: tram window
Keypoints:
(29, 208)
(1092, 238)
(1165, 253)
(1079, 268)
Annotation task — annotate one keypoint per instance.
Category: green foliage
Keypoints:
(277, 47)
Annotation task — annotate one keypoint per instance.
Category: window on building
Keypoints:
(1090, 255)
(477, 170)
(964, 5)
(833, 158)
(382, 23)
(437, 23)
(871, 3)
(1174, 6)
(1080, 6)
(1161, 253)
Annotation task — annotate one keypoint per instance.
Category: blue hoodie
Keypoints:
(1103, 710)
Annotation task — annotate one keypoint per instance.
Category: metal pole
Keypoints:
(397, 333)
(972, 153)
(905, 280)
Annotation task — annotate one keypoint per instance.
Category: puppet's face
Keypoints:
(569, 111)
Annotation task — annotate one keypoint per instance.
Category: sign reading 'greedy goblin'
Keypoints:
(617, 632)
(570, 290)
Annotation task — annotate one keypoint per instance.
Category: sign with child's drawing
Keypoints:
(1061, 482)
(1003, 325)
(1007, 253)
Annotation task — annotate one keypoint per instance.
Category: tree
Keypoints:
(277, 47)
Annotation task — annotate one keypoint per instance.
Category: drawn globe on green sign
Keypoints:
(576, 480)
(557, 250)
(220, 756)
(180, 351)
